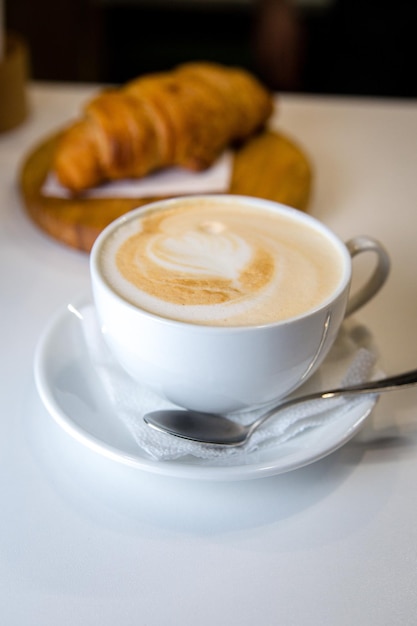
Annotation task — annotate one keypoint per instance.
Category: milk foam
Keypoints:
(221, 265)
(201, 253)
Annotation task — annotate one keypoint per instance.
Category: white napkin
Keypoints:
(166, 182)
(348, 363)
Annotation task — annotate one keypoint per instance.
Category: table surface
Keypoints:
(85, 540)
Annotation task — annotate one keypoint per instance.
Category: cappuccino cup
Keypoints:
(221, 303)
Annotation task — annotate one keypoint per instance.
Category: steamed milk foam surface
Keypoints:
(217, 264)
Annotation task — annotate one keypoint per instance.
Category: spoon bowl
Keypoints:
(217, 430)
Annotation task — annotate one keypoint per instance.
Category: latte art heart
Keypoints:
(194, 267)
(223, 255)
(221, 264)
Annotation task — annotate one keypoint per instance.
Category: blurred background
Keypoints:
(357, 47)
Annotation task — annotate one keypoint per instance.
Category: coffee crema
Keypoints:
(221, 264)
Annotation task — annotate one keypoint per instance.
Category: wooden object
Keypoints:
(13, 80)
(269, 166)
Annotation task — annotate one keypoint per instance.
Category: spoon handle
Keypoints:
(390, 383)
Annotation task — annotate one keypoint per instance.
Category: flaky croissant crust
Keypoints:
(184, 117)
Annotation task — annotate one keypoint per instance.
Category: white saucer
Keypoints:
(70, 390)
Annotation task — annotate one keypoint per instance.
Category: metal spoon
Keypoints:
(218, 430)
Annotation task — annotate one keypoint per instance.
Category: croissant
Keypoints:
(185, 117)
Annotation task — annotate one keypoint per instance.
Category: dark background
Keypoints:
(352, 47)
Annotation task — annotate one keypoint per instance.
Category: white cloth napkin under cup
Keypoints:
(347, 363)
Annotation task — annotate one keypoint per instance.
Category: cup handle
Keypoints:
(356, 246)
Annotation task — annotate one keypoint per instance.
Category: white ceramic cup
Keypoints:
(223, 369)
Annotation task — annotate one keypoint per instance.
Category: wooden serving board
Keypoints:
(268, 166)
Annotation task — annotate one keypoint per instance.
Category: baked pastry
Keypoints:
(184, 117)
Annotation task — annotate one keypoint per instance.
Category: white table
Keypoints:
(87, 541)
